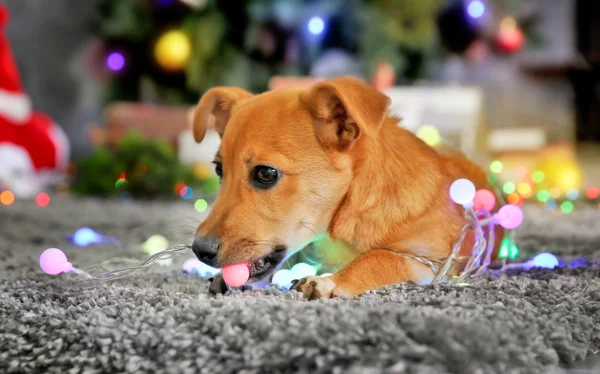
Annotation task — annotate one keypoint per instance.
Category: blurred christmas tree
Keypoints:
(139, 167)
(170, 51)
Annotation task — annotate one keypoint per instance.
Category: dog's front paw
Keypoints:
(315, 288)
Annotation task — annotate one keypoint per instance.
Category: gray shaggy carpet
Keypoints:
(163, 321)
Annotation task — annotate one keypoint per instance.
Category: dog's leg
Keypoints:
(370, 271)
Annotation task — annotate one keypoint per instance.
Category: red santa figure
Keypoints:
(34, 151)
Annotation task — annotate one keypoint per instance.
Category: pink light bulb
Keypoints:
(53, 261)
(509, 216)
(484, 199)
(236, 275)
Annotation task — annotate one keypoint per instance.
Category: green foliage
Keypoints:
(229, 41)
(143, 168)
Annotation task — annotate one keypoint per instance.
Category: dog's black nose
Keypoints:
(206, 248)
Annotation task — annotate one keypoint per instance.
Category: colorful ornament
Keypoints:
(173, 50)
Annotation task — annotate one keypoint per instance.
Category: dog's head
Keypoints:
(286, 161)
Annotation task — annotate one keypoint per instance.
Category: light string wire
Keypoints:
(483, 249)
(110, 275)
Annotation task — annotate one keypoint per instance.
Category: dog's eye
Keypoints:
(265, 176)
(219, 169)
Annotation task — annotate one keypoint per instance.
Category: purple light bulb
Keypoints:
(115, 61)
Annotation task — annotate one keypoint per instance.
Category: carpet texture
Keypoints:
(162, 321)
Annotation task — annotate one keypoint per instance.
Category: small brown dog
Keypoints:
(299, 165)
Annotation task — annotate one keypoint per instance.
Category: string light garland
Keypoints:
(477, 205)
(53, 261)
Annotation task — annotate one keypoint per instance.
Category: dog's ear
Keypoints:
(345, 107)
(214, 109)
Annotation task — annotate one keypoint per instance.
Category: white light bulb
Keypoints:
(283, 278)
(462, 192)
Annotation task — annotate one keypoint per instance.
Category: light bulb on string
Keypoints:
(484, 199)
(53, 261)
(283, 278)
(462, 191)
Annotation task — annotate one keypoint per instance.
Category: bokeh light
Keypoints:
(173, 50)
(524, 189)
(543, 196)
(537, 176)
(429, 134)
(592, 192)
(200, 205)
(496, 166)
(476, 9)
(555, 192)
(513, 198)
(572, 194)
(85, 236)
(115, 61)
(566, 207)
(550, 205)
(316, 25)
(178, 187)
(193, 265)
(521, 172)
(186, 193)
(42, 199)
(7, 197)
(509, 187)
(155, 243)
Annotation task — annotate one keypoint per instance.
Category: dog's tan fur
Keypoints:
(350, 173)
